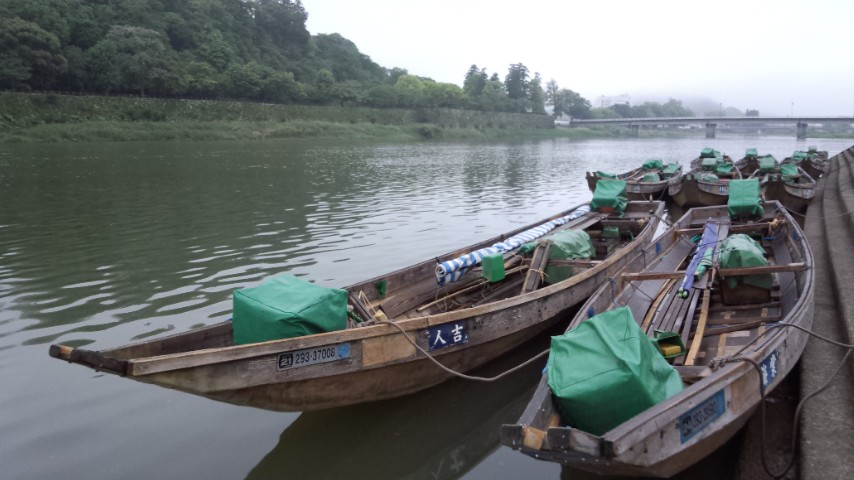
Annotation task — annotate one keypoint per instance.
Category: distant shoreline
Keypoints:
(52, 118)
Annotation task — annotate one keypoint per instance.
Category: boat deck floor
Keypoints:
(728, 328)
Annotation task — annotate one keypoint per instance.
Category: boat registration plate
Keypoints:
(313, 356)
(701, 416)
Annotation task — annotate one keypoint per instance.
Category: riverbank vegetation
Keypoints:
(139, 69)
(243, 50)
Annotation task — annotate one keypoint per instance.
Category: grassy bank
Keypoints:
(62, 118)
(93, 131)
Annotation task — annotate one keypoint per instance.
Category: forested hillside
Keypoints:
(237, 49)
(256, 50)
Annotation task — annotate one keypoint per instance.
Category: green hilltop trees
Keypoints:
(256, 50)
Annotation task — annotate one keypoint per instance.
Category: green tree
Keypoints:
(516, 81)
(536, 95)
(494, 97)
(341, 57)
(29, 55)
(554, 99)
(574, 104)
(411, 90)
(445, 95)
(130, 59)
(283, 22)
(475, 81)
(624, 110)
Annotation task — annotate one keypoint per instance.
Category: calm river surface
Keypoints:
(105, 244)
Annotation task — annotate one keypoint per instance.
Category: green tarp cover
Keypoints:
(285, 307)
(653, 163)
(788, 170)
(797, 156)
(710, 153)
(567, 245)
(740, 251)
(606, 371)
(744, 199)
(709, 163)
(610, 195)
(650, 177)
(606, 175)
(708, 177)
(812, 149)
(671, 168)
(751, 153)
(723, 167)
(767, 163)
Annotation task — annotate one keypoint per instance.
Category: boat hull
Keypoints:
(795, 197)
(691, 192)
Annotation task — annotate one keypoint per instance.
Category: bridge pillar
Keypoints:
(710, 130)
(802, 130)
(634, 131)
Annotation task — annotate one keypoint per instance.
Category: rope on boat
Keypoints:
(463, 375)
(719, 362)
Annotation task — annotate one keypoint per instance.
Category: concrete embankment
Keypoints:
(827, 424)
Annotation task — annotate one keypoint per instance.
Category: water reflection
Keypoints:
(441, 433)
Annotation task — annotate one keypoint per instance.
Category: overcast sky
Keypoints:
(777, 56)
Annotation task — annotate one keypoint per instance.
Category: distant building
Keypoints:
(605, 102)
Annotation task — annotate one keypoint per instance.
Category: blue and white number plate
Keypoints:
(312, 356)
(701, 416)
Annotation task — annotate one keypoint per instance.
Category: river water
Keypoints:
(109, 243)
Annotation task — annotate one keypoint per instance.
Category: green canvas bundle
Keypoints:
(650, 178)
(767, 163)
(788, 170)
(567, 245)
(653, 164)
(708, 178)
(744, 198)
(710, 153)
(709, 163)
(285, 307)
(606, 371)
(740, 251)
(670, 169)
(610, 196)
(723, 168)
(751, 153)
(606, 175)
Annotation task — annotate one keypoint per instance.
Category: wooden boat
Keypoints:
(813, 162)
(795, 192)
(477, 321)
(638, 183)
(694, 189)
(715, 323)
(749, 163)
(593, 177)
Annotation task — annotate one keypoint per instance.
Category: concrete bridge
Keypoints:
(711, 123)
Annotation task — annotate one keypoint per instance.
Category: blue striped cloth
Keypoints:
(452, 270)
